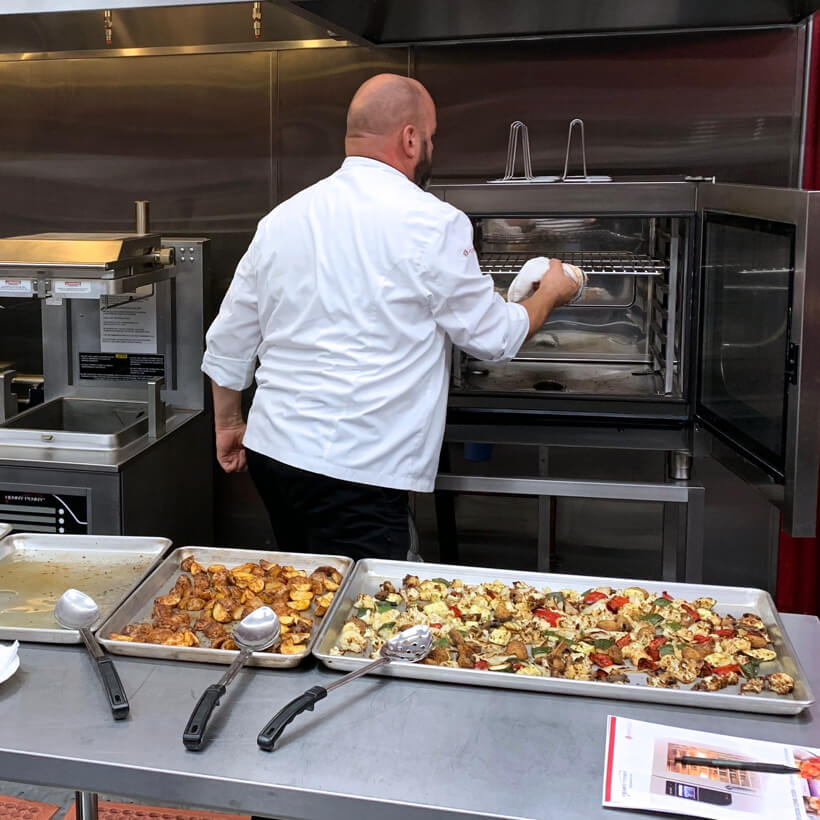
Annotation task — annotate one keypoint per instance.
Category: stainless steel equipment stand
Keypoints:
(682, 549)
(85, 805)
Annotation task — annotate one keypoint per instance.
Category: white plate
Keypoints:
(10, 669)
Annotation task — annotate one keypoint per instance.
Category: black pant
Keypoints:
(310, 512)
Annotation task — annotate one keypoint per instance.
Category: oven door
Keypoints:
(758, 379)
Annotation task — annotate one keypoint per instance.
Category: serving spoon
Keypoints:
(410, 645)
(254, 633)
(76, 610)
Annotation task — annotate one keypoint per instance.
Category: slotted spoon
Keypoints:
(411, 645)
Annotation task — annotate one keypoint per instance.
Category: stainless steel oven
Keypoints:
(702, 316)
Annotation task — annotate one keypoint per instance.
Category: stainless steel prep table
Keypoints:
(376, 749)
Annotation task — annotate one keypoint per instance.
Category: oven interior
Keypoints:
(626, 336)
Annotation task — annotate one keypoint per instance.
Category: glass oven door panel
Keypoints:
(748, 277)
(759, 340)
(619, 254)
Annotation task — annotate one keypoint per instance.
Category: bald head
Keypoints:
(384, 104)
(392, 119)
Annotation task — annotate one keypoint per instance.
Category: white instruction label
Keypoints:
(129, 328)
(20, 287)
(65, 287)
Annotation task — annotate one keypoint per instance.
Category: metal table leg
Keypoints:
(543, 555)
(446, 515)
(695, 513)
(85, 805)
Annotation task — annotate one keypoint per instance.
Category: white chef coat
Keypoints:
(349, 295)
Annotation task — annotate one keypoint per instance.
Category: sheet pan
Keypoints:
(369, 574)
(138, 606)
(36, 568)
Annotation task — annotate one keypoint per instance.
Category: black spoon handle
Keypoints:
(197, 723)
(117, 699)
(276, 725)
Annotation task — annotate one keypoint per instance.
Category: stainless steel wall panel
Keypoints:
(707, 104)
(315, 88)
(89, 137)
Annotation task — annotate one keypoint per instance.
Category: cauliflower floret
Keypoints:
(431, 591)
(634, 652)
(351, 639)
(365, 602)
(636, 595)
(714, 683)
(382, 618)
(499, 636)
(579, 670)
(753, 686)
(409, 618)
(686, 671)
(633, 611)
(780, 682)
(664, 681)
(438, 608)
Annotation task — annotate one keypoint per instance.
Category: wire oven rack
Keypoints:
(592, 263)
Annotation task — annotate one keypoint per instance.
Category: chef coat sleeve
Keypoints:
(235, 335)
(462, 298)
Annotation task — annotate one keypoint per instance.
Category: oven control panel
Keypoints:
(44, 512)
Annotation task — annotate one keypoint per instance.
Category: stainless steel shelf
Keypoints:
(594, 264)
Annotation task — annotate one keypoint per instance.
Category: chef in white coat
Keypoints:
(349, 296)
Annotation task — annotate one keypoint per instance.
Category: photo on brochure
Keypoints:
(643, 771)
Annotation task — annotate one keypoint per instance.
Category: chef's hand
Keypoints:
(554, 289)
(557, 284)
(229, 450)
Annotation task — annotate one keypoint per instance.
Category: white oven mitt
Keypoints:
(7, 655)
(522, 287)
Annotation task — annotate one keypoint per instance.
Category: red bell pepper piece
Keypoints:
(616, 602)
(691, 611)
(701, 639)
(666, 595)
(592, 597)
(552, 616)
(435, 626)
(600, 659)
(725, 670)
(481, 665)
(725, 633)
(626, 639)
(653, 650)
(455, 610)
